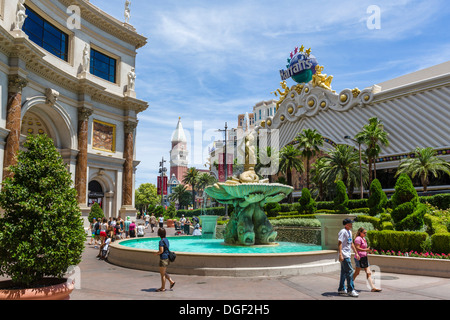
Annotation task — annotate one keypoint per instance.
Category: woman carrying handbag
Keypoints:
(363, 262)
(164, 260)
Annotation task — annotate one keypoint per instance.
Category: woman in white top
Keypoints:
(161, 221)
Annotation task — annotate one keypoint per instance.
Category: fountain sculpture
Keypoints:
(248, 223)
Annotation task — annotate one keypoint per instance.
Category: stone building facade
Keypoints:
(67, 70)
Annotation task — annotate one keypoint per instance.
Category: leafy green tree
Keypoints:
(309, 142)
(145, 196)
(424, 164)
(373, 136)
(171, 211)
(41, 231)
(96, 212)
(377, 200)
(307, 204)
(191, 177)
(341, 199)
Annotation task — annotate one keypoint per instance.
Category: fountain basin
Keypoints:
(126, 253)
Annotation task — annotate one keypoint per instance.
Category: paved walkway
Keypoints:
(101, 280)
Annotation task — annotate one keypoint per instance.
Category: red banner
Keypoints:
(165, 185)
(229, 164)
(159, 185)
(221, 168)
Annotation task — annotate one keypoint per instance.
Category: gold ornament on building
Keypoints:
(290, 110)
(356, 92)
(282, 118)
(311, 103)
(269, 122)
(343, 97)
(283, 95)
(321, 80)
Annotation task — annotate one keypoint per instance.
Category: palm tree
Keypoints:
(424, 163)
(316, 173)
(191, 177)
(178, 194)
(309, 142)
(342, 163)
(372, 134)
(205, 180)
(290, 159)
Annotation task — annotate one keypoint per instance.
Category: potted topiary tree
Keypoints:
(96, 212)
(41, 231)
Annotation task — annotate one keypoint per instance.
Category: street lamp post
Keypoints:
(225, 161)
(162, 171)
(360, 165)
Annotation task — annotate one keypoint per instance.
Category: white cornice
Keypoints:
(23, 49)
(107, 23)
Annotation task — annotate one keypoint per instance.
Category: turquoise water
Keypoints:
(199, 245)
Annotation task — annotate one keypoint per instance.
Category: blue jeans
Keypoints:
(346, 274)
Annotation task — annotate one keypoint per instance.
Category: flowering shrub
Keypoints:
(413, 254)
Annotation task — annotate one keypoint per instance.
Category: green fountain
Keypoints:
(248, 223)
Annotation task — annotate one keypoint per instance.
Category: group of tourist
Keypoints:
(360, 248)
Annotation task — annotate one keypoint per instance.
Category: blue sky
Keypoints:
(209, 60)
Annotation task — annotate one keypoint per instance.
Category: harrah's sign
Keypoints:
(299, 66)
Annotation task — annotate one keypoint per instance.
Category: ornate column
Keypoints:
(81, 168)
(128, 165)
(127, 184)
(13, 121)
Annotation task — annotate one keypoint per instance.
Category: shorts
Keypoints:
(103, 234)
(164, 263)
(357, 265)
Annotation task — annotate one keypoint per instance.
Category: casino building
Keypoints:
(414, 108)
(67, 70)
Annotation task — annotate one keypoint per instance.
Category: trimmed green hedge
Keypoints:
(403, 241)
(440, 242)
(215, 211)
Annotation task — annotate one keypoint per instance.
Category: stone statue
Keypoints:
(127, 11)
(131, 80)
(248, 224)
(85, 63)
(20, 15)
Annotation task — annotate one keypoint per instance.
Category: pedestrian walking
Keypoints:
(92, 227)
(127, 227)
(363, 262)
(164, 260)
(345, 247)
(153, 222)
(161, 221)
(147, 220)
(103, 230)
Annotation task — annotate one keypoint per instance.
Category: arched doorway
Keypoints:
(95, 193)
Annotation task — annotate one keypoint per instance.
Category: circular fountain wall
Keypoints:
(211, 257)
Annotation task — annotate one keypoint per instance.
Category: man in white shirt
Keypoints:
(345, 247)
(182, 222)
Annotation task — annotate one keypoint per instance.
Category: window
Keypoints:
(103, 66)
(46, 35)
